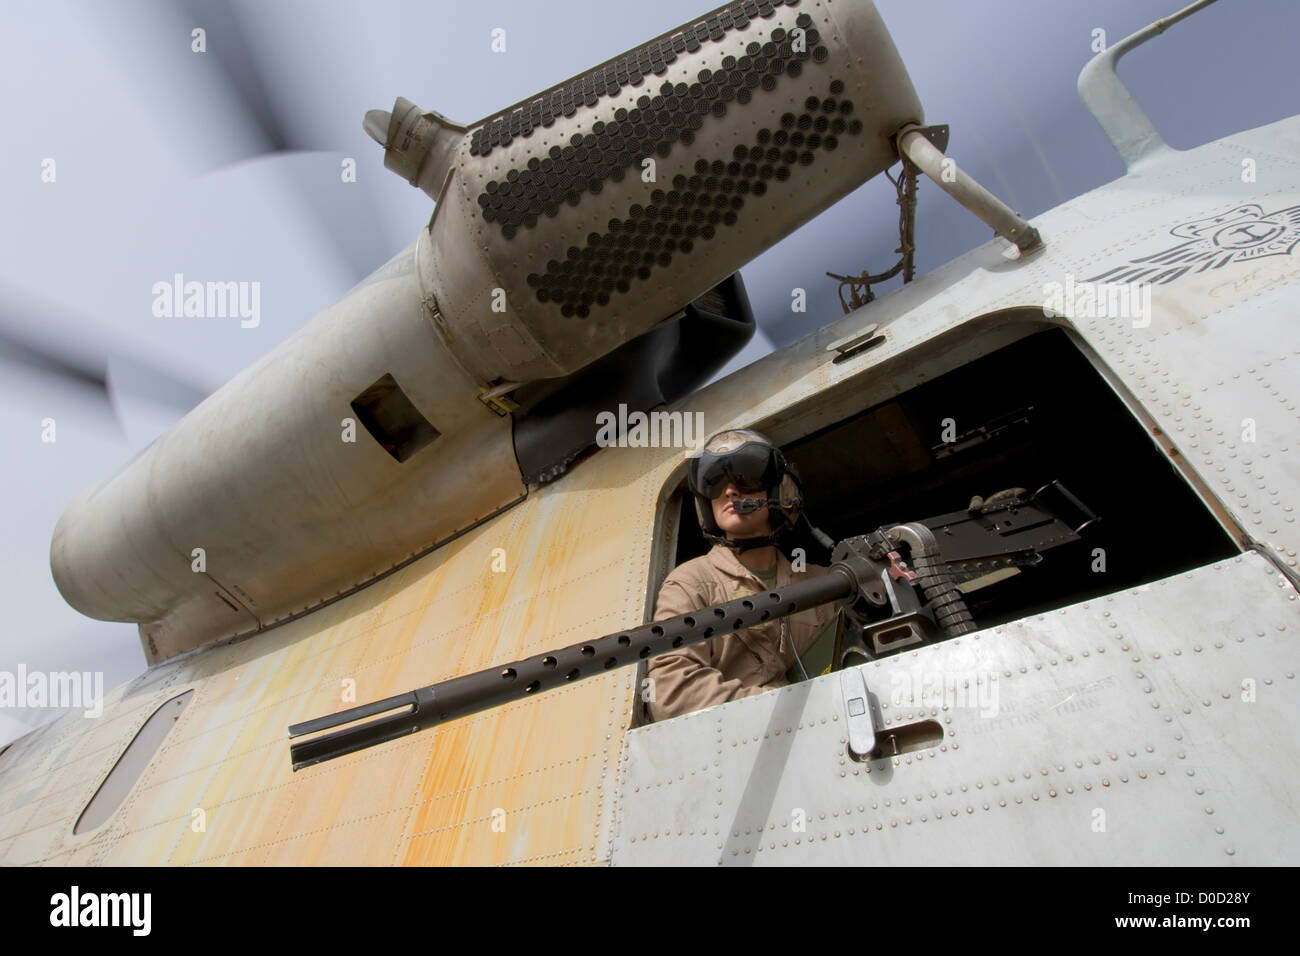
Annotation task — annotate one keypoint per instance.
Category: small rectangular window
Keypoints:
(392, 420)
(132, 764)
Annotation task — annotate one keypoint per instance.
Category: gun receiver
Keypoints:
(867, 571)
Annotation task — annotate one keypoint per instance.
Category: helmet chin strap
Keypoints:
(744, 506)
(743, 544)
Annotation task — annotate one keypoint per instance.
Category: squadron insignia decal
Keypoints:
(1243, 233)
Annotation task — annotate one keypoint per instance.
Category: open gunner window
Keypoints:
(1027, 412)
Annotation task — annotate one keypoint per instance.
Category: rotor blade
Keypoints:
(227, 86)
(126, 375)
(67, 346)
(71, 367)
(227, 46)
(347, 218)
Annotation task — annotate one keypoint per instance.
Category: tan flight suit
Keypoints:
(735, 665)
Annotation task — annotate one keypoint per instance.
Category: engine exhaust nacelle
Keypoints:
(565, 227)
(579, 218)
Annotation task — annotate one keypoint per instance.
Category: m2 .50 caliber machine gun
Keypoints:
(882, 613)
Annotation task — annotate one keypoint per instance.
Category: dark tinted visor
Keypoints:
(751, 467)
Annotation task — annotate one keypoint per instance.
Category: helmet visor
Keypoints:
(751, 466)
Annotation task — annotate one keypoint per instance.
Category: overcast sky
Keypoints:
(164, 164)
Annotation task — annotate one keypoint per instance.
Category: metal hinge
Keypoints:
(431, 306)
(868, 338)
(496, 397)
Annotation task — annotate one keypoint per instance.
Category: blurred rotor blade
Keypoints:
(146, 402)
(225, 107)
(40, 337)
(227, 46)
(74, 367)
(61, 373)
(342, 214)
(347, 218)
(128, 375)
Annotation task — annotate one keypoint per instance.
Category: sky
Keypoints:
(127, 158)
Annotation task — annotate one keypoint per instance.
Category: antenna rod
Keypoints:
(1124, 122)
(1010, 225)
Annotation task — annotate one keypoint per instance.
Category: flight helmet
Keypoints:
(756, 466)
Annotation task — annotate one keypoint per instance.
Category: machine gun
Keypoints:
(882, 614)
